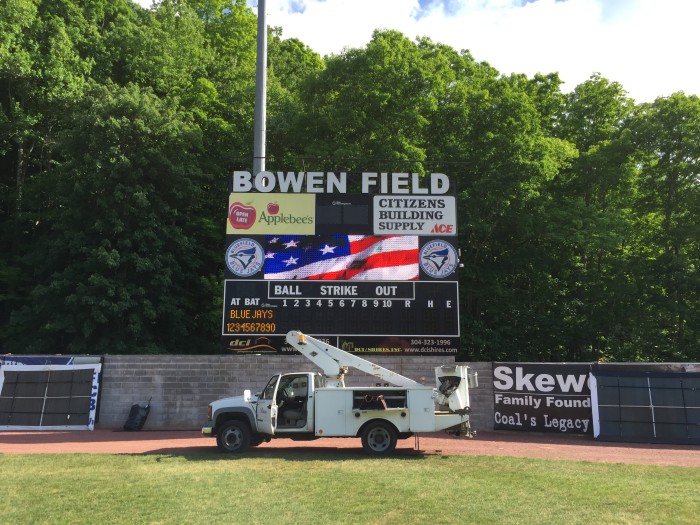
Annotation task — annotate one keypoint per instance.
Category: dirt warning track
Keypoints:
(576, 448)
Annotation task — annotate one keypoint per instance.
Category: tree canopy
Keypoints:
(119, 127)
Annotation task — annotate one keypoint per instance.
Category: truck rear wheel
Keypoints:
(233, 437)
(378, 438)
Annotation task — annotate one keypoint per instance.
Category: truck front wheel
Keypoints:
(378, 438)
(233, 437)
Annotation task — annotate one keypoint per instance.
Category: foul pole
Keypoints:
(260, 93)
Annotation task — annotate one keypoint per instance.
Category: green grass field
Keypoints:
(314, 489)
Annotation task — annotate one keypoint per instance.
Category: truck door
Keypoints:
(266, 411)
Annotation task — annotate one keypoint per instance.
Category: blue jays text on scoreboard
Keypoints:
(368, 272)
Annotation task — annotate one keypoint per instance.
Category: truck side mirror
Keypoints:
(246, 396)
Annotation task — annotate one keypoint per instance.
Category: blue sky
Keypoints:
(449, 7)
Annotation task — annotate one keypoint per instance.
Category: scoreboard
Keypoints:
(367, 272)
(335, 308)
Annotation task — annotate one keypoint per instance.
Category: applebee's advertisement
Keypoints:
(271, 214)
(542, 397)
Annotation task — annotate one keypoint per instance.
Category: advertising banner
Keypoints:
(542, 397)
(414, 215)
(274, 214)
(35, 360)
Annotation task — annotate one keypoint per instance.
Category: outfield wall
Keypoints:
(627, 402)
(181, 386)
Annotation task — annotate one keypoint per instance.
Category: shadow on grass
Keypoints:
(44, 437)
(286, 453)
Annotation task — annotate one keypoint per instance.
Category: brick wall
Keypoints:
(181, 387)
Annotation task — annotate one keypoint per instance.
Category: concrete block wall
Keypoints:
(181, 386)
(481, 398)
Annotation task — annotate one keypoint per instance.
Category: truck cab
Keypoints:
(284, 408)
(286, 404)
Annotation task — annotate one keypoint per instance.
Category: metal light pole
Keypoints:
(260, 93)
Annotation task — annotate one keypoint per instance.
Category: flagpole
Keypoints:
(260, 93)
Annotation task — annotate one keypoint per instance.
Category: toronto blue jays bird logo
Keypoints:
(244, 257)
(438, 259)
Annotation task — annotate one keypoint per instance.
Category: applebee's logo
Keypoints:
(438, 259)
(240, 216)
(244, 257)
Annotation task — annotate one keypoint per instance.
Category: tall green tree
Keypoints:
(292, 65)
(223, 96)
(162, 48)
(115, 255)
(174, 56)
(44, 69)
(42, 73)
(510, 296)
(374, 103)
(590, 220)
(667, 206)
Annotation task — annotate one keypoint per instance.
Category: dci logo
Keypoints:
(438, 259)
(245, 257)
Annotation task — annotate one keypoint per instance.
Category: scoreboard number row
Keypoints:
(415, 309)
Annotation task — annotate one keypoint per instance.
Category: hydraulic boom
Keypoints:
(335, 362)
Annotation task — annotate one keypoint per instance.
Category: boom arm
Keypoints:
(335, 362)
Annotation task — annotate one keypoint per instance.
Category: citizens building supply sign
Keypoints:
(419, 215)
(542, 397)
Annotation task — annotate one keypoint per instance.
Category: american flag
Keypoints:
(341, 257)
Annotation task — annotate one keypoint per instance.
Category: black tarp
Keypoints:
(645, 406)
(48, 396)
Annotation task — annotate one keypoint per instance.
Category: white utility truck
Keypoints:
(308, 405)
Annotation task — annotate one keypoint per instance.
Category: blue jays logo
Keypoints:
(245, 257)
(438, 259)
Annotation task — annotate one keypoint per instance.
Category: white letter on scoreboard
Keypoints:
(439, 183)
(241, 182)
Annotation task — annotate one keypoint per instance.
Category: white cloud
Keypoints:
(649, 46)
